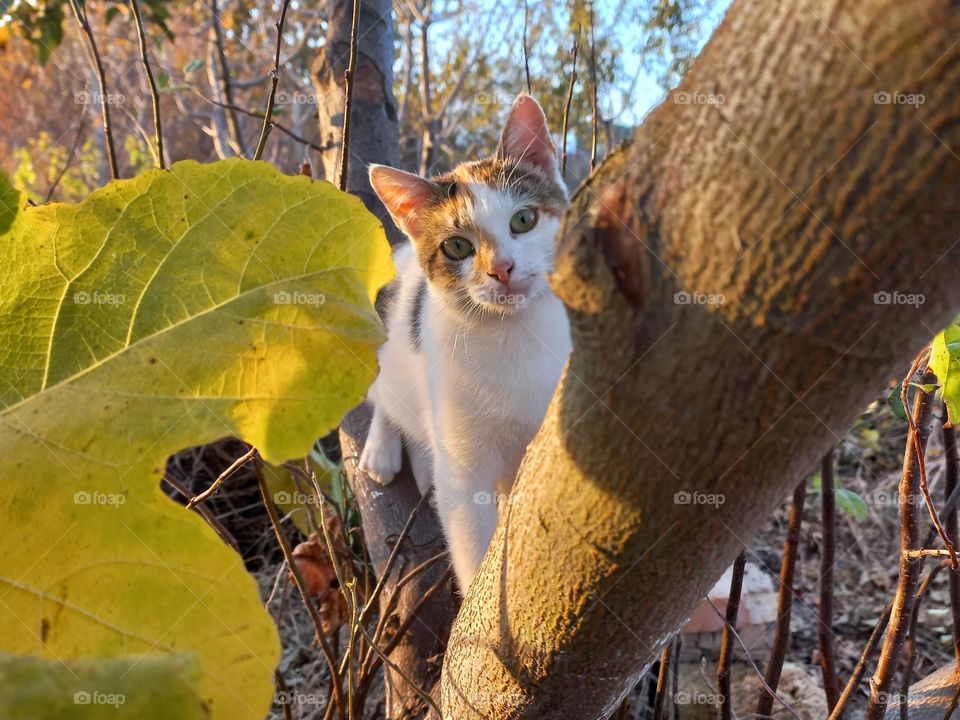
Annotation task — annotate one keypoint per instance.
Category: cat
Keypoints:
(476, 339)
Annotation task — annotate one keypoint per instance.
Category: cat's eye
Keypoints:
(523, 220)
(457, 248)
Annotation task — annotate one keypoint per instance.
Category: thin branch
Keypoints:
(912, 638)
(218, 526)
(909, 566)
(393, 666)
(301, 586)
(566, 105)
(781, 638)
(260, 116)
(921, 465)
(274, 79)
(726, 649)
(951, 480)
(234, 466)
(526, 49)
(348, 82)
(746, 654)
(828, 668)
(861, 666)
(154, 92)
(81, 126)
(593, 92)
(660, 698)
(81, 15)
(226, 85)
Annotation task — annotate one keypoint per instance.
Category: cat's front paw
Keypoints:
(382, 457)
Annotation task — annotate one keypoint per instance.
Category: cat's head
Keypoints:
(484, 232)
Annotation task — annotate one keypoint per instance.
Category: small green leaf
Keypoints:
(163, 79)
(816, 482)
(192, 66)
(945, 364)
(896, 403)
(852, 504)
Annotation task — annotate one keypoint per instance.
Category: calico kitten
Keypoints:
(476, 339)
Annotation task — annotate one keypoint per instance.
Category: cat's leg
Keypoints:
(466, 504)
(421, 463)
(382, 453)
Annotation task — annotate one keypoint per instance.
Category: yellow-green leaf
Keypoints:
(163, 312)
(945, 364)
(156, 688)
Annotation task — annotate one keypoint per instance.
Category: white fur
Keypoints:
(471, 397)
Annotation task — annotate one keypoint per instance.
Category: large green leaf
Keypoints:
(945, 363)
(157, 688)
(163, 312)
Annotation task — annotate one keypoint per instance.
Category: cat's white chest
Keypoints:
(504, 371)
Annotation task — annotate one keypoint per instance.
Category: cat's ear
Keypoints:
(404, 194)
(525, 136)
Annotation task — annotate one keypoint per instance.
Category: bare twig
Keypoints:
(234, 466)
(388, 567)
(911, 639)
(81, 15)
(348, 84)
(81, 126)
(726, 649)
(233, 123)
(218, 526)
(274, 79)
(593, 92)
(921, 465)
(154, 93)
(831, 685)
(951, 481)
(909, 566)
(861, 666)
(781, 638)
(746, 653)
(526, 48)
(566, 105)
(662, 691)
(308, 602)
(393, 666)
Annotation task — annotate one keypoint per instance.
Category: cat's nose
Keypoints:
(501, 271)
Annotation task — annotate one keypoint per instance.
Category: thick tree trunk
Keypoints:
(374, 129)
(724, 277)
(374, 138)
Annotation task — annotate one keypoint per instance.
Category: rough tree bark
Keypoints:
(375, 134)
(781, 195)
(384, 510)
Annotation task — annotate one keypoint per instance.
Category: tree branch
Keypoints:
(723, 278)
